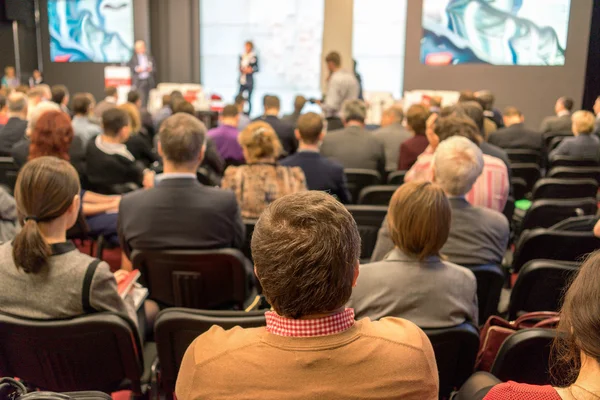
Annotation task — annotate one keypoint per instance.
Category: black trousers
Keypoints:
(144, 86)
(247, 88)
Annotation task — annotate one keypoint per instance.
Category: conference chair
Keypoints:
(555, 188)
(358, 179)
(99, 351)
(540, 286)
(575, 173)
(545, 213)
(523, 156)
(523, 357)
(576, 224)
(519, 186)
(530, 173)
(553, 245)
(208, 279)
(570, 161)
(490, 280)
(455, 351)
(548, 137)
(176, 328)
(555, 142)
(396, 178)
(509, 209)
(369, 220)
(378, 195)
(8, 173)
(81, 231)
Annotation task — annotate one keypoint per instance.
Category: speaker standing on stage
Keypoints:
(142, 71)
(248, 67)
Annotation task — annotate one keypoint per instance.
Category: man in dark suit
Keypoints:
(562, 121)
(179, 212)
(142, 71)
(284, 130)
(321, 173)
(515, 135)
(14, 130)
(354, 146)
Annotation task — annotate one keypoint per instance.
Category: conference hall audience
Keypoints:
(412, 148)
(292, 119)
(486, 98)
(354, 146)
(139, 143)
(320, 172)
(9, 80)
(20, 150)
(134, 97)
(185, 213)
(109, 101)
(60, 95)
(14, 130)
(414, 281)
(561, 122)
(36, 95)
(3, 110)
(478, 235)
(491, 188)
(163, 113)
(109, 163)
(225, 136)
(43, 273)
(392, 134)
(585, 145)
(515, 135)
(240, 101)
(306, 248)
(283, 129)
(84, 128)
(262, 180)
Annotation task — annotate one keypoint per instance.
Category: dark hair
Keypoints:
(113, 120)
(59, 92)
(181, 138)
(58, 181)
(166, 100)
(466, 95)
(81, 103)
(240, 99)
(110, 91)
(334, 58)
(473, 110)
(310, 126)
(299, 103)
(512, 112)
(184, 106)
(2, 101)
(133, 96)
(456, 125)
(52, 136)
(305, 248)
(230, 111)
(416, 118)
(250, 43)
(272, 102)
(567, 102)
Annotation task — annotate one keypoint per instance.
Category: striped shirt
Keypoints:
(490, 190)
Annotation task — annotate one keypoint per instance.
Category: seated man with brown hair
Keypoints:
(306, 248)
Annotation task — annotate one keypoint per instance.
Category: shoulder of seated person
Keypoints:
(217, 342)
(491, 215)
(391, 329)
(511, 388)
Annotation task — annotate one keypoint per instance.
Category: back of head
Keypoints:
(182, 137)
(305, 248)
(395, 114)
(310, 126)
(260, 141)
(81, 104)
(457, 163)
(184, 106)
(299, 103)
(52, 136)
(230, 111)
(240, 100)
(113, 120)
(58, 181)
(110, 91)
(37, 112)
(272, 103)
(456, 125)
(473, 110)
(419, 219)
(416, 118)
(354, 110)
(511, 112)
(567, 103)
(466, 95)
(59, 92)
(435, 101)
(583, 122)
(17, 103)
(487, 99)
(166, 100)
(334, 58)
(133, 96)
(135, 120)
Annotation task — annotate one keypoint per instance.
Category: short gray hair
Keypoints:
(181, 138)
(354, 110)
(396, 112)
(38, 111)
(458, 162)
(17, 102)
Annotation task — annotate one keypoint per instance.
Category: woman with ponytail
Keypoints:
(43, 275)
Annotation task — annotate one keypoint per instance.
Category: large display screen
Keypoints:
(498, 32)
(90, 30)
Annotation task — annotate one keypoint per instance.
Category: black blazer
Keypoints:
(106, 170)
(140, 147)
(285, 132)
(135, 77)
(516, 136)
(12, 133)
(177, 214)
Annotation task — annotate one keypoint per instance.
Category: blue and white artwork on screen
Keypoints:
(91, 30)
(497, 32)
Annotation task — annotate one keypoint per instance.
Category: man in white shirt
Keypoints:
(341, 86)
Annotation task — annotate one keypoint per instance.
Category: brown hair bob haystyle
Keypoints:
(305, 248)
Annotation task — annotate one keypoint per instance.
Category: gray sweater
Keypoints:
(55, 291)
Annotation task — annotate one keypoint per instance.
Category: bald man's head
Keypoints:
(140, 47)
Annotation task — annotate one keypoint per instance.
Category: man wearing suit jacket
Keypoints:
(354, 146)
(562, 121)
(321, 173)
(284, 130)
(515, 135)
(179, 212)
(392, 134)
(142, 71)
(14, 130)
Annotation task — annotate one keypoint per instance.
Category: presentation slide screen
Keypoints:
(497, 32)
(90, 30)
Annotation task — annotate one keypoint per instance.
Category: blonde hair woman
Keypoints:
(139, 143)
(262, 180)
(585, 144)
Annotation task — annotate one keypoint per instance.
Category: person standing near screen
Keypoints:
(342, 86)
(142, 71)
(248, 67)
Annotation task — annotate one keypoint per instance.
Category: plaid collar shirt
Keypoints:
(330, 325)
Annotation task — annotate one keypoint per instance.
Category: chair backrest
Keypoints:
(92, 352)
(519, 186)
(548, 137)
(176, 328)
(369, 220)
(553, 245)
(570, 161)
(576, 224)
(509, 209)
(545, 213)
(8, 172)
(540, 286)
(490, 280)
(555, 142)
(530, 173)
(526, 156)
(195, 278)
(555, 188)
(250, 225)
(396, 178)
(523, 357)
(575, 172)
(455, 352)
(358, 179)
(379, 195)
